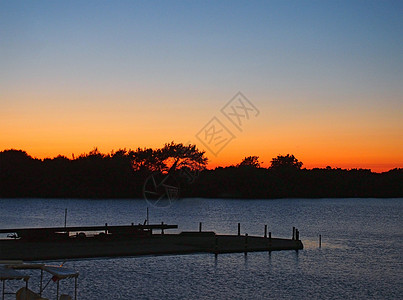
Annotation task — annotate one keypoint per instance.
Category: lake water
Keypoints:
(361, 254)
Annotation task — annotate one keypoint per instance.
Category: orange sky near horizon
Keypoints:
(316, 135)
(130, 74)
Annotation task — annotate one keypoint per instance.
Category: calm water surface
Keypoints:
(360, 258)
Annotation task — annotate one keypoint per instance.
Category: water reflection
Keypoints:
(360, 255)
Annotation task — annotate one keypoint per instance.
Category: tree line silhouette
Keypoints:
(122, 174)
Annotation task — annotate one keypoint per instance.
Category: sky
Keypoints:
(318, 79)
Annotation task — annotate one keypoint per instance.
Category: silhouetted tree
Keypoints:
(11, 156)
(93, 154)
(287, 162)
(178, 156)
(170, 157)
(146, 159)
(120, 175)
(250, 161)
(19, 173)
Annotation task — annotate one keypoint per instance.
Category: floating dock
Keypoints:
(32, 244)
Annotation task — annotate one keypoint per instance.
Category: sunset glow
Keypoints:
(325, 77)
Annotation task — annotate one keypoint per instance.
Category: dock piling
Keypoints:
(239, 229)
(270, 239)
(320, 241)
(75, 288)
(265, 231)
(40, 284)
(246, 243)
(293, 233)
(200, 227)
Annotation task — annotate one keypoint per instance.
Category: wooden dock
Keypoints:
(136, 243)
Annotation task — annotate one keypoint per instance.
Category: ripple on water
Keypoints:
(360, 256)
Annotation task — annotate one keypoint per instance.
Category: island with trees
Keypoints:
(123, 173)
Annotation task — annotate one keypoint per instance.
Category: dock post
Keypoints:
(270, 239)
(200, 227)
(246, 243)
(40, 284)
(75, 288)
(320, 241)
(106, 228)
(239, 229)
(265, 231)
(293, 233)
(162, 228)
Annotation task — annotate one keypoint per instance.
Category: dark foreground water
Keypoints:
(361, 254)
